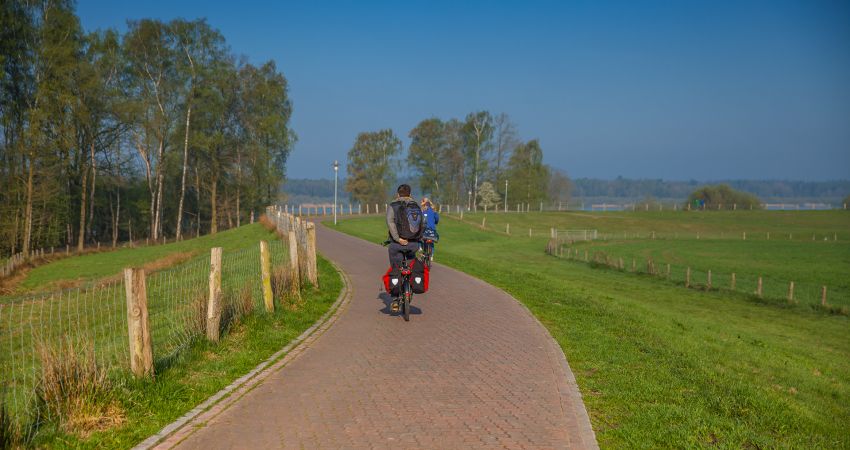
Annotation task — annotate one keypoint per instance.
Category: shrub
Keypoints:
(721, 195)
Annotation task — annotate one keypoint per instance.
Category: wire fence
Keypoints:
(95, 317)
(831, 299)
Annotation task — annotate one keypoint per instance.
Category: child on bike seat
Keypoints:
(432, 218)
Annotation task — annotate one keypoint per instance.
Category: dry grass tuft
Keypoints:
(246, 299)
(267, 223)
(197, 317)
(285, 287)
(10, 436)
(74, 392)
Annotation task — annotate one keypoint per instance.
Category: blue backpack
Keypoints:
(408, 220)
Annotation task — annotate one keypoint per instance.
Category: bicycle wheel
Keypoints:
(405, 302)
(429, 250)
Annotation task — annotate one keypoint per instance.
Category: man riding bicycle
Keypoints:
(405, 226)
(432, 218)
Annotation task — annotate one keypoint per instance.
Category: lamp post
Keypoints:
(336, 177)
(506, 195)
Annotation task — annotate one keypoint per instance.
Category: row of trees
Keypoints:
(157, 132)
(455, 162)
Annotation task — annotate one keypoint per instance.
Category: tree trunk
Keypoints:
(238, 184)
(183, 179)
(91, 194)
(198, 200)
(116, 217)
(28, 212)
(81, 239)
(157, 219)
(213, 199)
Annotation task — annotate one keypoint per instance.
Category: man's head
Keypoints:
(403, 190)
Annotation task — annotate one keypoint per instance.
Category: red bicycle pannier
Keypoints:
(392, 281)
(419, 278)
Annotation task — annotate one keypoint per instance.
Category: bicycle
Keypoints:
(406, 292)
(429, 238)
(428, 251)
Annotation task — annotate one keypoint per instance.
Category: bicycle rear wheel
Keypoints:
(405, 302)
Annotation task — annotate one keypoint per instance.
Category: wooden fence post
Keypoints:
(214, 299)
(745, 236)
(732, 287)
(138, 328)
(293, 261)
(823, 295)
(668, 270)
(266, 271)
(759, 288)
(483, 222)
(312, 268)
(508, 228)
(529, 232)
(688, 277)
(634, 265)
(708, 280)
(791, 292)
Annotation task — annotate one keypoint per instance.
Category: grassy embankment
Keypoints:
(663, 366)
(67, 272)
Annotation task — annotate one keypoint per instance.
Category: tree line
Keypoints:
(460, 162)
(768, 190)
(156, 132)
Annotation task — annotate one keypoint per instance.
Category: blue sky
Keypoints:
(650, 89)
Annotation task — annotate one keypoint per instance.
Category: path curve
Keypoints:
(472, 368)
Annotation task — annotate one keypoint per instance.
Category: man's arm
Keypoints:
(436, 217)
(391, 224)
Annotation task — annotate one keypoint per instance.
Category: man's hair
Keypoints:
(404, 190)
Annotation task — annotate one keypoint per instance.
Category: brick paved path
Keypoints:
(472, 368)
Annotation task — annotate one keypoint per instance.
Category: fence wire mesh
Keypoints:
(95, 317)
(176, 306)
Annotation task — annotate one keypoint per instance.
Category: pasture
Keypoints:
(663, 366)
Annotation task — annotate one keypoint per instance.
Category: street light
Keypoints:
(336, 177)
(506, 195)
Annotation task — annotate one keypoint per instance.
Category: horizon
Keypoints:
(726, 90)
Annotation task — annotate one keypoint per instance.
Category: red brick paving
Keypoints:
(472, 369)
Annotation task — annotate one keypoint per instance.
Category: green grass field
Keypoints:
(110, 263)
(721, 246)
(663, 366)
(680, 224)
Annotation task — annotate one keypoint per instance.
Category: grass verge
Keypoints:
(664, 367)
